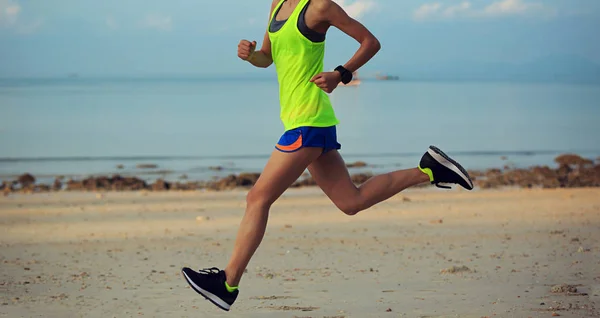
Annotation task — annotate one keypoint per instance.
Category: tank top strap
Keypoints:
(276, 9)
(296, 13)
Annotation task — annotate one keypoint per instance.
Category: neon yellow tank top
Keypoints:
(297, 60)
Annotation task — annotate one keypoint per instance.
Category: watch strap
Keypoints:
(346, 75)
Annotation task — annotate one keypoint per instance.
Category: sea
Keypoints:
(200, 128)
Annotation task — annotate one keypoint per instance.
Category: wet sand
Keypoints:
(423, 253)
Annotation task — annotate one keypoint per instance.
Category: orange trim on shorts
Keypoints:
(295, 146)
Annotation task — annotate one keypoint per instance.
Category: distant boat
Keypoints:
(355, 80)
(387, 77)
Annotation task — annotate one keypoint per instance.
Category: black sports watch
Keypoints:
(346, 75)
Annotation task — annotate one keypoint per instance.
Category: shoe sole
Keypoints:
(447, 162)
(206, 294)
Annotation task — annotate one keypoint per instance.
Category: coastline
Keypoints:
(571, 171)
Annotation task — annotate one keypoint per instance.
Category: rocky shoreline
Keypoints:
(573, 171)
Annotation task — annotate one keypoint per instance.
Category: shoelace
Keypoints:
(209, 271)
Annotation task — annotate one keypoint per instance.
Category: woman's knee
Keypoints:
(257, 198)
(350, 206)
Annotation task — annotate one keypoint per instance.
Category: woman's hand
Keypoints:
(327, 81)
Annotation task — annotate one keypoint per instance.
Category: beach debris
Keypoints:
(563, 288)
(438, 221)
(26, 180)
(233, 181)
(57, 185)
(456, 269)
(357, 164)
(146, 166)
(202, 218)
(573, 171)
(306, 182)
(389, 310)
(114, 183)
(572, 160)
(295, 308)
(360, 178)
(59, 296)
(581, 249)
(271, 297)
(161, 185)
(555, 314)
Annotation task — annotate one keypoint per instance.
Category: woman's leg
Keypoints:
(280, 172)
(330, 173)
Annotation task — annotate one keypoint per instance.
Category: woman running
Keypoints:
(295, 42)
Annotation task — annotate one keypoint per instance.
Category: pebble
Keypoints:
(202, 218)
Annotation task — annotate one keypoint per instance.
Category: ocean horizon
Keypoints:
(202, 127)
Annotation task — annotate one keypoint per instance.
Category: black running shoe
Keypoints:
(210, 283)
(442, 169)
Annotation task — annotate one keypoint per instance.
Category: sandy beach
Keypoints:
(423, 253)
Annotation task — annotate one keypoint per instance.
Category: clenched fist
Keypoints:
(327, 81)
(246, 49)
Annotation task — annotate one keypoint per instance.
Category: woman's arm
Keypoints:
(261, 58)
(331, 14)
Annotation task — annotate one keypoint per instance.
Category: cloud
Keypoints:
(459, 9)
(11, 18)
(157, 22)
(357, 8)
(511, 7)
(9, 12)
(465, 9)
(427, 10)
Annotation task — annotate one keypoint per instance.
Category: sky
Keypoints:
(190, 37)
